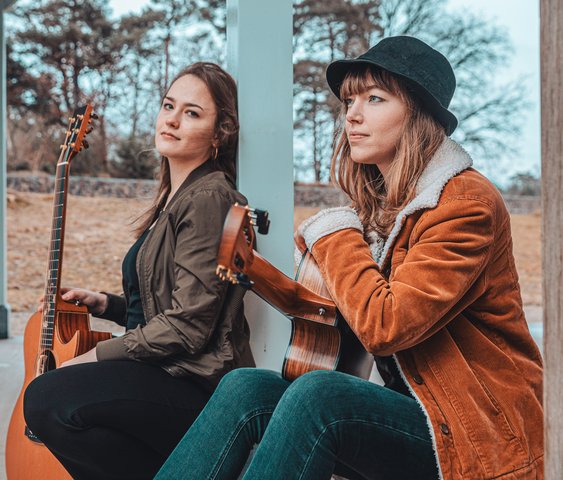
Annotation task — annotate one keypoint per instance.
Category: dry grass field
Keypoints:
(99, 232)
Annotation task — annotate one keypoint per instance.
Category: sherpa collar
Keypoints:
(449, 160)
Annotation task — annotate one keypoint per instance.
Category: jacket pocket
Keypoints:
(508, 431)
(484, 423)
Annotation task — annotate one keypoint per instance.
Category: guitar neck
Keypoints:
(288, 296)
(54, 268)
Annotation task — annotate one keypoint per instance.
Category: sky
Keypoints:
(521, 17)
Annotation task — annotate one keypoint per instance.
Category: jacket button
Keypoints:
(445, 429)
(418, 379)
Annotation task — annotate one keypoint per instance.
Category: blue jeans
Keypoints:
(322, 423)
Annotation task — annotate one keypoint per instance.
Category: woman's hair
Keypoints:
(223, 90)
(376, 201)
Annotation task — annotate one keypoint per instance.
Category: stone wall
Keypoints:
(84, 186)
(307, 195)
(310, 195)
(522, 204)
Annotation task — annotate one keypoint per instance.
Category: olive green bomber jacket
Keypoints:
(195, 322)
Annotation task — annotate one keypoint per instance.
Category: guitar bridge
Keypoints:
(29, 434)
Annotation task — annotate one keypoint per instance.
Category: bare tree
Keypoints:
(66, 52)
(70, 44)
(490, 113)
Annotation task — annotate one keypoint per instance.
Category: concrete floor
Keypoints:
(12, 371)
(11, 380)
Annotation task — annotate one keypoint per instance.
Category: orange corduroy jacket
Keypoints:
(441, 296)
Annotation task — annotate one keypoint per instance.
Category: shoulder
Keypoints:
(469, 187)
(209, 194)
(469, 202)
(214, 182)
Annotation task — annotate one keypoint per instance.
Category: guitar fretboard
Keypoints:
(55, 255)
(74, 142)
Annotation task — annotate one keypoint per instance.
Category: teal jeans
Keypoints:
(322, 423)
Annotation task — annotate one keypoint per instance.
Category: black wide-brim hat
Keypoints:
(427, 72)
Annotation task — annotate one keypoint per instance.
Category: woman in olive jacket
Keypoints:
(117, 411)
(421, 268)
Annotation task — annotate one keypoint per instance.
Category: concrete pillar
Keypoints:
(4, 307)
(259, 56)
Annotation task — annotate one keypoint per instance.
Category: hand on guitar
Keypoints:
(96, 302)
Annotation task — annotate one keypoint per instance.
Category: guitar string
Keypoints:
(48, 310)
(54, 252)
(55, 237)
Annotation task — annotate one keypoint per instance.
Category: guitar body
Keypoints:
(325, 343)
(316, 346)
(27, 458)
(320, 337)
(57, 334)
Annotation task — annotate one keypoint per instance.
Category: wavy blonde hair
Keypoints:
(378, 201)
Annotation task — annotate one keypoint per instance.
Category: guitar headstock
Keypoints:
(79, 125)
(236, 252)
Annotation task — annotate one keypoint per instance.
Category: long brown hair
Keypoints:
(223, 90)
(376, 201)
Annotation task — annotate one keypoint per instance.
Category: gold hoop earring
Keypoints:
(215, 152)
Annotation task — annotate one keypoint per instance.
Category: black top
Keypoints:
(135, 315)
(391, 376)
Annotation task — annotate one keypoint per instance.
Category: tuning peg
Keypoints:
(243, 280)
(90, 129)
(262, 221)
(85, 144)
(94, 116)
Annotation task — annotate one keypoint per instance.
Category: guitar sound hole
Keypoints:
(51, 364)
(239, 262)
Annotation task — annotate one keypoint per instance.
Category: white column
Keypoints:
(552, 221)
(259, 46)
(4, 307)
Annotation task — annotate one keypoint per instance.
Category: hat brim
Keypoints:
(336, 72)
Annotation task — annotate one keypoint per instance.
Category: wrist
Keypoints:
(102, 304)
(327, 222)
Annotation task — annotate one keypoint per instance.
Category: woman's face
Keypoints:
(374, 121)
(185, 125)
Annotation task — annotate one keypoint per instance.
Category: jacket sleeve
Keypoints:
(116, 310)
(198, 295)
(439, 277)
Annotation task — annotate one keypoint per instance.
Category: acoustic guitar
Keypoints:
(320, 337)
(58, 333)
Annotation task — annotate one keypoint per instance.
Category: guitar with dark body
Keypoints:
(58, 333)
(320, 337)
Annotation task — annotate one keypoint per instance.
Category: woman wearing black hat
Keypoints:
(429, 286)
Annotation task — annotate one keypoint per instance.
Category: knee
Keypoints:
(37, 409)
(43, 404)
(312, 389)
(249, 386)
(244, 380)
